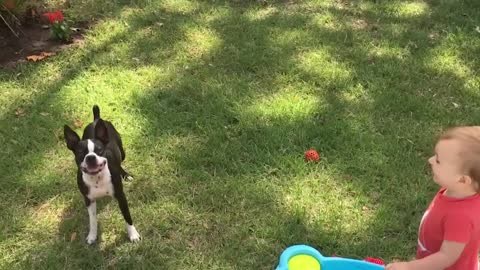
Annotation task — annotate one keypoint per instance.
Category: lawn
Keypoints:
(217, 101)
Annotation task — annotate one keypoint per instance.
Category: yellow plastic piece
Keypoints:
(303, 262)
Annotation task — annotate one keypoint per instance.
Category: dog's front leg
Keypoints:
(92, 214)
(133, 235)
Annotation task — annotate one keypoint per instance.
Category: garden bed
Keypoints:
(34, 38)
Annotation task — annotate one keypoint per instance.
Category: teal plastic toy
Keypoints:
(302, 257)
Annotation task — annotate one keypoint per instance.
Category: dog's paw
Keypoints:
(91, 238)
(133, 235)
(127, 177)
(134, 238)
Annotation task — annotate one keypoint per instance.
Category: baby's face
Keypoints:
(446, 164)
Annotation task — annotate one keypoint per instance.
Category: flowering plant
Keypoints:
(60, 28)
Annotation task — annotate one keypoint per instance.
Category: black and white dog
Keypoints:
(99, 156)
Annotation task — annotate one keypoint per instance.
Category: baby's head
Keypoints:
(456, 163)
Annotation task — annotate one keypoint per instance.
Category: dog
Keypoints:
(98, 156)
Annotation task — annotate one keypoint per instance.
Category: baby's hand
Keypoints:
(397, 266)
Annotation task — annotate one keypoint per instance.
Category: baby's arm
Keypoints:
(458, 228)
(447, 256)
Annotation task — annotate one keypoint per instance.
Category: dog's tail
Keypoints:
(96, 113)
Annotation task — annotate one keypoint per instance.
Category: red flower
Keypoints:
(60, 16)
(56, 16)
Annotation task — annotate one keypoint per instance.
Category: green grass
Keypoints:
(216, 102)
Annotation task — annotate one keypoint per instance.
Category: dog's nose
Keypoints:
(91, 160)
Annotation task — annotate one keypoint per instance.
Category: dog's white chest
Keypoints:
(99, 185)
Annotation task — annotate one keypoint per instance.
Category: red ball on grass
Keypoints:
(312, 155)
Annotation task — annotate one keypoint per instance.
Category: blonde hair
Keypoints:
(469, 137)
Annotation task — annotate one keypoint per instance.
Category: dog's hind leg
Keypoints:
(125, 175)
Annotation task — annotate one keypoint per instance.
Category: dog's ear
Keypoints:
(101, 131)
(71, 137)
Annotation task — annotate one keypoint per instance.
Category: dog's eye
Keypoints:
(81, 151)
(98, 149)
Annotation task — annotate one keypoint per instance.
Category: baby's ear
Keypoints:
(466, 179)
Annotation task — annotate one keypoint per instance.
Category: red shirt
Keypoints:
(455, 220)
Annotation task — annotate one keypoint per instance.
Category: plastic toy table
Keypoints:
(302, 257)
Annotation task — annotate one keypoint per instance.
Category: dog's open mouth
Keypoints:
(95, 169)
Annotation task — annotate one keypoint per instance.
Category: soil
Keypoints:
(33, 39)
